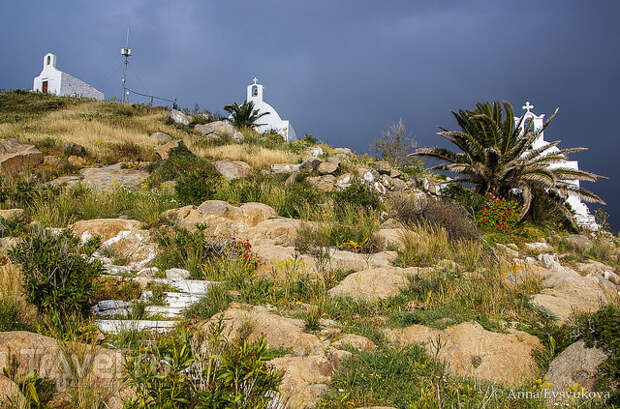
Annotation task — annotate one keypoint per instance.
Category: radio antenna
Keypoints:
(126, 53)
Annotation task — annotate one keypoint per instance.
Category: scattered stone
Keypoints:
(467, 349)
(344, 181)
(375, 283)
(216, 129)
(13, 215)
(67, 181)
(177, 274)
(160, 137)
(314, 151)
(15, 156)
(278, 331)
(343, 151)
(238, 137)
(382, 166)
(108, 177)
(329, 167)
(232, 169)
(305, 379)
(324, 183)
(356, 341)
(76, 161)
(575, 366)
(163, 151)
(279, 168)
(510, 252)
(73, 149)
(310, 164)
(565, 291)
(11, 392)
(539, 247)
(179, 117)
(120, 326)
(579, 242)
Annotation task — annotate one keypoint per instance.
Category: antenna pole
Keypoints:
(126, 53)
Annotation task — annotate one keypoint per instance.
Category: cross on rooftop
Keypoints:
(528, 106)
(255, 80)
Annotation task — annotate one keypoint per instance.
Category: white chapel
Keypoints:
(52, 80)
(582, 213)
(272, 120)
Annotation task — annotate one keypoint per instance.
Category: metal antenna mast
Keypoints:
(125, 52)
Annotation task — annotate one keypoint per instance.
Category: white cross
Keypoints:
(255, 80)
(527, 106)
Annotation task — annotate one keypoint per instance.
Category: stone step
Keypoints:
(165, 311)
(118, 326)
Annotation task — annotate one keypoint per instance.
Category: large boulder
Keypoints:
(15, 156)
(27, 351)
(215, 129)
(230, 169)
(279, 168)
(328, 168)
(109, 177)
(13, 215)
(278, 331)
(565, 291)
(124, 237)
(305, 379)
(573, 369)
(467, 349)
(375, 283)
(163, 151)
(179, 117)
(160, 137)
(10, 392)
(356, 341)
(325, 183)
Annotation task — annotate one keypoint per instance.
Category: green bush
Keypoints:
(58, 273)
(197, 186)
(299, 195)
(192, 370)
(357, 194)
(216, 300)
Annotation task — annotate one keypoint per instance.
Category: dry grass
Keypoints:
(11, 292)
(256, 156)
(103, 128)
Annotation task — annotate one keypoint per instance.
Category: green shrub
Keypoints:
(357, 194)
(58, 273)
(216, 300)
(299, 195)
(500, 215)
(186, 370)
(197, 186)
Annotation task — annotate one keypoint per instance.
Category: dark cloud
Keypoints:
(344, 70)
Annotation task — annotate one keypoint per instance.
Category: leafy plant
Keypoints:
(244, 115)
(499, 214)
(357, 194)
(497, 156)
(188, 370)
(57, 269)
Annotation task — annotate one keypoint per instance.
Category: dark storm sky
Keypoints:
(345, 70)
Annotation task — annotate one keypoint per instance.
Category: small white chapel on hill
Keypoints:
(583, 217)
(52, 80)
(272, 120)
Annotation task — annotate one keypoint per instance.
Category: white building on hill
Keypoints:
(582, 213)
(272, 120)
(53, 81)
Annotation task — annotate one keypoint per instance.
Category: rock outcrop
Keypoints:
(375, 283)
(467, 349)
(109, 177)
(15, 156)
(179, 117)
(230, 169)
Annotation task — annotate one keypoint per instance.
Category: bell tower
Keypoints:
(254, 92)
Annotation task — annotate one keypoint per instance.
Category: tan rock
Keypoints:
(281, 230)
(16, 156)
(104, 228)
(231, 170)
(10, 392)
(110, 177)
(375, 283)
(278, 331)
(163, 151)
(160, 137)
(76, 161)
(356, 341)
(52, 161)
(324, 183)
(304, 380)
(179, 117)
(280, 261)
(575, 366)
(62, 181)
(350, 261)
(215, 129)
(329, 167)
(566, 291)
(13, 215)
(467, 349)
(254, 213)
(28, 351)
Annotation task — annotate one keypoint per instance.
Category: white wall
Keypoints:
(272, 120)
(61, 83)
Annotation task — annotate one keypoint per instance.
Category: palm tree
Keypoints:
(244, 115)
(496, 156)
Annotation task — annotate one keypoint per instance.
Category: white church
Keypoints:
(582, 213)
(52, 80)
(272, 120)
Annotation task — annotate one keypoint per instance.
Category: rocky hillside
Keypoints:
(161, 259)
